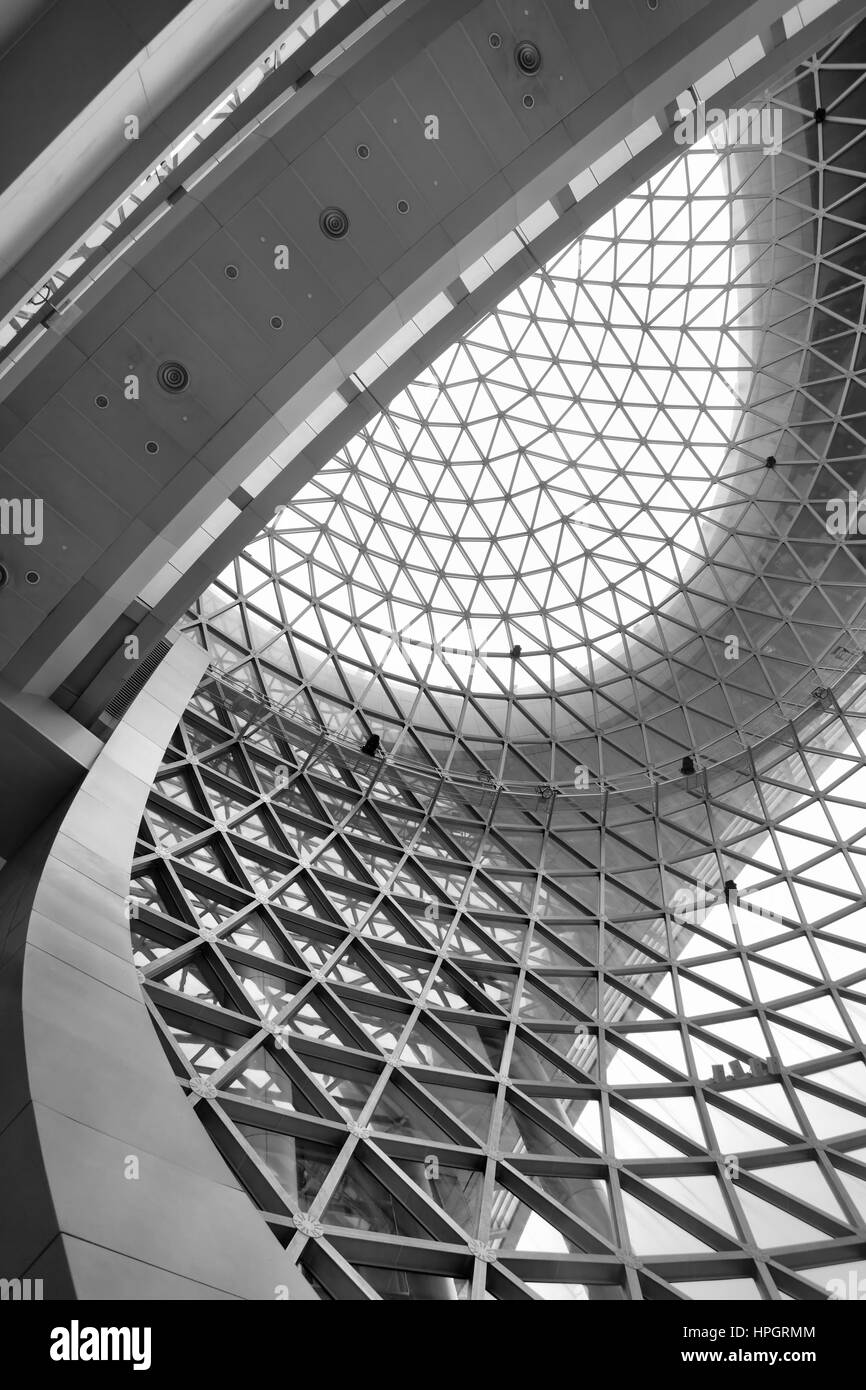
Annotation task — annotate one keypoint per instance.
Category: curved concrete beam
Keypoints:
(110, 1187)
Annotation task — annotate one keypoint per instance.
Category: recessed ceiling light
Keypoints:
(527, 56)
(334, 223)
(172, 377)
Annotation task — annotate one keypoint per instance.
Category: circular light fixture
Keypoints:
(172, 376)
(652, 4)
(528, 58)
(276, 321)
(402, 205)
(362, 151)
(32, 576)
(529, 101)
(101, 402)
(152, 447)
(231, 272)
(334, 223)
(495, 40)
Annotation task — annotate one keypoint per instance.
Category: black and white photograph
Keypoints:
(433, 674)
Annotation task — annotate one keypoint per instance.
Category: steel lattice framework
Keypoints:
(515, 1010)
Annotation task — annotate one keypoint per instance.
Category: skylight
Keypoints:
(541, 484)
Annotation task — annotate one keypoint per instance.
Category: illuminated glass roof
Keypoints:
(584, 476)
(541, 483)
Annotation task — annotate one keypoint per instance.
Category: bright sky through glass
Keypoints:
(540, 484)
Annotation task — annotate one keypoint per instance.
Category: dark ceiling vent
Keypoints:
(334, 223)
(173, 377)
(117, 707)
(528, 59)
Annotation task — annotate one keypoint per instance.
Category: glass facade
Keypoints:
(558, 990)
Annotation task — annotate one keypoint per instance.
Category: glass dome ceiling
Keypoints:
(584, 477)
(476, 1040)
(541, 483)
(669, 593)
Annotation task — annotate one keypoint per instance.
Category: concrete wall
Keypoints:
(85, 1085)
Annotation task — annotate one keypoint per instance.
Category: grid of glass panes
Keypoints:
(536, 1045)
(583, 477)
